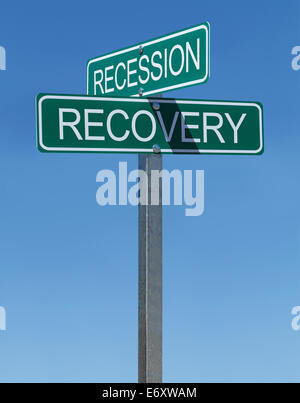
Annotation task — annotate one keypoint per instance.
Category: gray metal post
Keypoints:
(150, 279)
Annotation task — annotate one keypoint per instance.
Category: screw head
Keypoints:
(140, 49)
(156, 149)
(141, 92)
(156, 106)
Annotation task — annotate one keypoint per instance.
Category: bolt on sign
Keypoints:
(176, 60)
(71, 123)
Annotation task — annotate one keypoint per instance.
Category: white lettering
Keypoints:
(153, 123)
(108, 78)
(237, 126)
(179, 47)
(88, 124)
(215, 128)
(144, 68)
(126, 134)
(120, 87)
(131, 72)
(156, 65)
(168, 136)
(97, 82)
(184, 126)
(72, 125)
(190, 52)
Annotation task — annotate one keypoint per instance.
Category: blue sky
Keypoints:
(68, 267)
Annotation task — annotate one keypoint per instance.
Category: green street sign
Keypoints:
(76, 123)
(165, 63)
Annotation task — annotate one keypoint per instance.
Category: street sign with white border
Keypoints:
(76, 123)
(162, 64)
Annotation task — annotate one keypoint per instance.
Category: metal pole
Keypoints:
(150, 280)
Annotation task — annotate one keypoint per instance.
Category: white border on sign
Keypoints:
(136, 47)
(148, 150)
